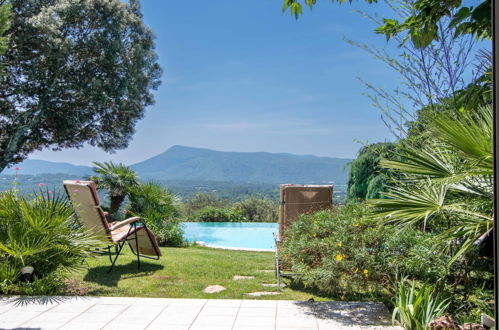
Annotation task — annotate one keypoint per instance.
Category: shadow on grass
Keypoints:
(100, 276)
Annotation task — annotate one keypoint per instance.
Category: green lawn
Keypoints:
(184, 273)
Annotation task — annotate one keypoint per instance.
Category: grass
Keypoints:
(184, 273)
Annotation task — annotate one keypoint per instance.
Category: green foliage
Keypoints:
(210, 207)
(5, 22)
(416, 307)
(159, 209)
(256, 209)
(422, 25)
(119, 180)
(50, 284)
(90, 81)
(153, 197)
(169, 232)
(347, 253)
(366, 178)
(448, 181)
(42, 233)
(470, 306)
(215, 214)
(200, 201)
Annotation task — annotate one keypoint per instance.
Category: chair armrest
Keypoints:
(124, 223)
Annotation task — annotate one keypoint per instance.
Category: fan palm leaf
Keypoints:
(119, 180)
(448, 178)
(469, 134)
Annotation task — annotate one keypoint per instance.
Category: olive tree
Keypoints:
(4, 26)
(76, 72)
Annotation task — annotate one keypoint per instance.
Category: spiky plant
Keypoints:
(42, 233)
(447, 185)
(416, 307)
(119, 180)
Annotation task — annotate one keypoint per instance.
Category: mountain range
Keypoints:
(188, 163)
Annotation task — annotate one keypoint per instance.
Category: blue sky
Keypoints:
(242, 76)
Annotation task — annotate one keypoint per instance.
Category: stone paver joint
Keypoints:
(189, 314)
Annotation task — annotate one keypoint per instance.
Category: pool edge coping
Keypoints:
(200, 243)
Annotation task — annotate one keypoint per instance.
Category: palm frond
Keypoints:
(409, 205)
(469, 134)
(434, 163)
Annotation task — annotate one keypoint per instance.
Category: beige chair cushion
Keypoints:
(87, 205)
(148, 244)
(86, 202)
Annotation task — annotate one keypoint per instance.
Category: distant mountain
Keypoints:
(187, 163)
(36, 167)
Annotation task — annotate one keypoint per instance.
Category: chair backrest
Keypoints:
(83, 195)
(300, 199)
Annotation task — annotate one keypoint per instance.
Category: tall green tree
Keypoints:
(367, 179)
(76, 72)
(422, 26)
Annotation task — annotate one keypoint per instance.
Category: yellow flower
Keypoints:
(340, 257)
(340, 244)
(366, 272)
(356, 225)
(356, 270)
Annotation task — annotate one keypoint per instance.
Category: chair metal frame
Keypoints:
(134, 225)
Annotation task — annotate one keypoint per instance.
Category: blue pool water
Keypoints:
(252, 235)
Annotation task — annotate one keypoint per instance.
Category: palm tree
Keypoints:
(117, 179)
(447, 185)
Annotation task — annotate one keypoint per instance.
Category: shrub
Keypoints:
(158, 207)
(346, 252)
(215, 214)
(169, 232)
(151, 196)
(42, 233)
(258, 209)
(200, 201)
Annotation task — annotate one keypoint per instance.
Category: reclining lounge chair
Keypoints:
(142, 241)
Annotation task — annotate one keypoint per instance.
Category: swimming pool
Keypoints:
(244, 235)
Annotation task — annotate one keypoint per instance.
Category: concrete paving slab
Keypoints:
(188, 314)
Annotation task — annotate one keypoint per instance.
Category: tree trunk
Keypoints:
(116, 202)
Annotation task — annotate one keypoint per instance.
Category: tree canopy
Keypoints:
(76, 72)
(422, 25)
(4, 26)
(366, 178)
